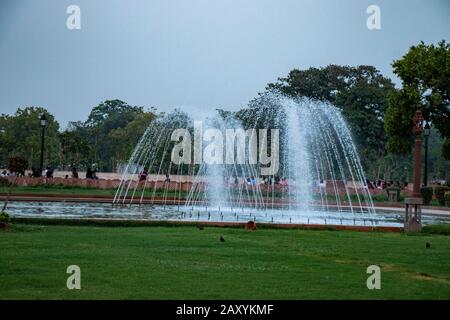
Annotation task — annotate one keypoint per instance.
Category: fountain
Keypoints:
(319, 178)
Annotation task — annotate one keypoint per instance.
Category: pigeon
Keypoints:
(199, 227)
(428, 245)
(222, 239)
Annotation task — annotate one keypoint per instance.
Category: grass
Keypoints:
(186, 263)
(75, 190)
(443, 229)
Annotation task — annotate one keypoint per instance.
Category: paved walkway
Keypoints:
(427, 210)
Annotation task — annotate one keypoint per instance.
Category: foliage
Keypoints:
(108, 136)
(107, 116)
(20, 136)
(425, 74)
(76, 147)
(427, 194)
(446, 149)
(447, 198)
(4, 182)
(4, 217)
(111, 131)
(17, 164)
(398, 123)
(378, 116)
(112, 114)
(439, 192)
(443, 229)
(438, 167)
(360, 92)
(395, 189)
(380, 197)
(392, 167)
(125, 139)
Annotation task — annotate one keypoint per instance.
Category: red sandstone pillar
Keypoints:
(418, 119)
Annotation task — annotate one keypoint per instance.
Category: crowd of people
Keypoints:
(253, 181)
(91, 173)
(49, 173)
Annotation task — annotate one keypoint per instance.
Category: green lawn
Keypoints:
(69, 190)
(187, 263)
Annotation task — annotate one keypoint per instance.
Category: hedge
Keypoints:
(427, 194)
(447, 198)
(394, 189)
(439, 192)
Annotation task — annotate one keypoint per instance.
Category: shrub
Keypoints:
(427, 194)
(379, 197)
(17, 165)
(394, 189)
(4, 182)
(447, 198)
(443, 229)
(4, 217)
(439, 193)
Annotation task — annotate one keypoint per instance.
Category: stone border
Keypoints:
(157, 184)
(170, 223)
(148, 200)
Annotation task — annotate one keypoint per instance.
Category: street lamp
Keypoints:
(426, 134)
(43, 121)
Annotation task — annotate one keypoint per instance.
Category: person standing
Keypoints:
(144, 174)
(74, 173)
(49, 172)
(89, 174)
(167, 177)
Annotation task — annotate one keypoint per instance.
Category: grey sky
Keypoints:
(202, 54)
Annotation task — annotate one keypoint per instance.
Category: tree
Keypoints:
(112, 114)
(124, 139)
(360, 92)
(425, 74)
(107, 116)
(108, 136)
(20, 136)
(438, 167)
(17, 165)
(398, 122)
(76, 149)
(446, 149)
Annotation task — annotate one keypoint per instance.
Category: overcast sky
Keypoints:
(201, 54)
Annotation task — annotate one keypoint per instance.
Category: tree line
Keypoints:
(105, 139)
(379, 115)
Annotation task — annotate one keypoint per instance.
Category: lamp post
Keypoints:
(426, 134)
(43, 122)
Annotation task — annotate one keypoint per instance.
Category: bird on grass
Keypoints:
(199, 227)
(428, 245)
(222, 239)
